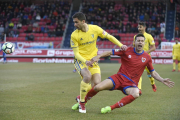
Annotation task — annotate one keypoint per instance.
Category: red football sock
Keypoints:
(125, 100)
(90, 94)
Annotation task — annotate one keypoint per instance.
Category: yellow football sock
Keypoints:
(83, 90)
(140, 83)
(174, 65)
(89, 87)
(152, 80)
(178, 66)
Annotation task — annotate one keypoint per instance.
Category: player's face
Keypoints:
(141, 28)
(78, 24)
(139, 44)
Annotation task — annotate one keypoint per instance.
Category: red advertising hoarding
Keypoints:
(69, 53)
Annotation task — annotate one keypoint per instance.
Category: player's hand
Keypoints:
(168, 83)
(95, 59)
(89, 63)
(123, 47)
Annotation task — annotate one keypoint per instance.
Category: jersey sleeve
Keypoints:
(134, 40)
(73, 42)
(150, 66)
(101, 33)
(117, 52)
(151, 40)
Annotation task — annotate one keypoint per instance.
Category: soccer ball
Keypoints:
(8, 48)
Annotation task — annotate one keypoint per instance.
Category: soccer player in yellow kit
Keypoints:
(176, 56)
(83, 43)
(148, 47)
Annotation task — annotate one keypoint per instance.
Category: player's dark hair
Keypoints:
(142, 23)
(80, 16)
(139, 35)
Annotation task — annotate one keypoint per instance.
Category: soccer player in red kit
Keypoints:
(134, 60)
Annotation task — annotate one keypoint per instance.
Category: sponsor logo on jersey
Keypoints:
(143, 59)
(81, 39)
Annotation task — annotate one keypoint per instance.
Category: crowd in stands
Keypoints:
(177, 26)
(23, 17)
(124, 18)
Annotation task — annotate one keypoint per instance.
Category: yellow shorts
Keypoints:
(176, 57)
(80, 65)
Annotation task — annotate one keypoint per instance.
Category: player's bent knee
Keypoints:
(135, 95)
(87, 78)
(97, 88)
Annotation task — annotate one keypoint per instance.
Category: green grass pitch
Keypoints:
(47, 91)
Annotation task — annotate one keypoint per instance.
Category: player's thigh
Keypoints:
(175, 57)
(104, 85)
(178, 58)
(134, 91)
(96, 74)
(82, 69)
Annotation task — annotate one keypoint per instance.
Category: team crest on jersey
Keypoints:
(143, 59)
(92, 35)
(72, 43)
(81, 39)
(129, 56)
(104, 32)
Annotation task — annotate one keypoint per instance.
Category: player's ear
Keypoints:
(83, 21)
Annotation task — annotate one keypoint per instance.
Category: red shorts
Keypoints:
(121, 83)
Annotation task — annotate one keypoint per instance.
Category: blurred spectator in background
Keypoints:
(52, 33)
(157, 31)
(1, 29)
(2, 37)
(29, 29)
(19, 25)
(146, 17)
(38, 17)
(16, 33)
(162, 25)
(59, 31)
(30, 37)
(11, 25)
(176, 31)
(141, 17)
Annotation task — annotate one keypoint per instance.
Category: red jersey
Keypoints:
(133, 64)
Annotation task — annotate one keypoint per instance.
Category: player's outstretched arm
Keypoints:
(152, 48)
(79, 57)
(104, 54)
(115, 41)
(165, 81)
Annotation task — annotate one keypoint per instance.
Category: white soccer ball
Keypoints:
(8, 47)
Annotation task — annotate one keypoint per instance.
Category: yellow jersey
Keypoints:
(149, 40)
(176, 49)
(86, 41)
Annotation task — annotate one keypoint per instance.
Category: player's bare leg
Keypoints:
(132, 92)
(84, 87)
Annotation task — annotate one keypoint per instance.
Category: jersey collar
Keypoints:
(138, 53)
